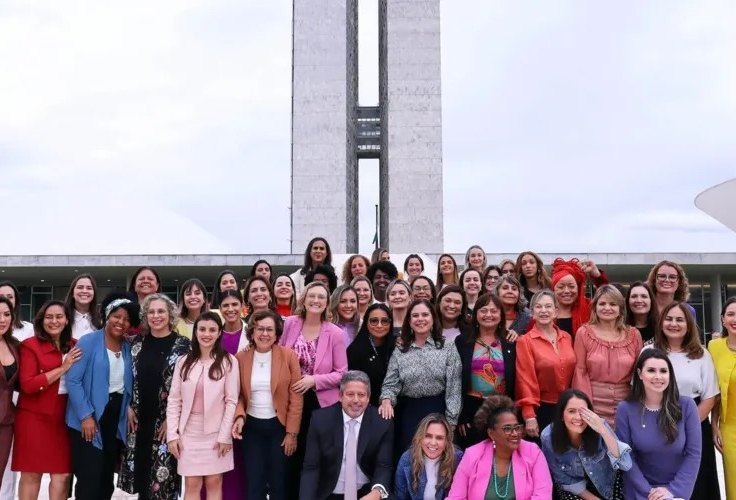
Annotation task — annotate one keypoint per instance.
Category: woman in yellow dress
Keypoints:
(723, 351)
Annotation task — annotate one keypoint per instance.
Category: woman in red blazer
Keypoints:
(41, 436)
(320, 347)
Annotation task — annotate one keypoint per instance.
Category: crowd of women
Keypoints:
(503, 381)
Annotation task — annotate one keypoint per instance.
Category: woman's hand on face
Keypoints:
(532, 427)
(592, 420)
(386, 410)
(303, 384)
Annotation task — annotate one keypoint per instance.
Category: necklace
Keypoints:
(645, 409)
(495, 480)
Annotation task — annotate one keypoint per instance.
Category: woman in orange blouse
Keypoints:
(545, 362)
(606, 350)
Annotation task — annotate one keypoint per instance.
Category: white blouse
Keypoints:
(261, 399)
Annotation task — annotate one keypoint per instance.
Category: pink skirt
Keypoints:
(199, 451)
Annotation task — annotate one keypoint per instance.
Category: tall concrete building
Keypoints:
(330, 131)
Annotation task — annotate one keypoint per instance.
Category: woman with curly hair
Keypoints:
(426, 469)
(668, 283)
(504, 465)
(148, 467)
(529, 268)
(356, 265)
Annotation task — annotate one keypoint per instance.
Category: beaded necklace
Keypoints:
(495, 480)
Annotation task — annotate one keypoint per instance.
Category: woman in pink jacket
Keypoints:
(504, 466)
(201, 409)
(320, 346)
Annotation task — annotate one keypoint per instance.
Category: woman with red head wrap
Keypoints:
(568, 282)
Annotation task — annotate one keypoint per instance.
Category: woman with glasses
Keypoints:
(669, 284)
(372, 348)
(423, 288)
(490, 277)
(504, 465)
(583, 453)
(508, 267)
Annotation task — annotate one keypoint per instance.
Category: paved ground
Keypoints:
(120, 495)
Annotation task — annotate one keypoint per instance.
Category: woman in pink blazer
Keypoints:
(320, 346)
(504, 465)
(201, 408)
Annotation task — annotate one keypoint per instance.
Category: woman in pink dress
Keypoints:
(606, 349)
(201, 409)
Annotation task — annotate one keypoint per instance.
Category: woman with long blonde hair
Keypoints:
(426, 469)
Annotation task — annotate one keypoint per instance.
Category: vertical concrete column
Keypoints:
(324, 184)
(716, 302)
(410, 97)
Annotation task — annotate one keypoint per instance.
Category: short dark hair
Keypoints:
(65, 338)
(432, 288)
(484, 300)
(261, 315)
(385, 266)
(325, 269)
(131, 287)
(413, 256)
(216, 293)
(133, 308)
(258, 263)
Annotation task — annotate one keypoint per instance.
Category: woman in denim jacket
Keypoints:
(582, 451)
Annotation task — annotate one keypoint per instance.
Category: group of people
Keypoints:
(497, 382)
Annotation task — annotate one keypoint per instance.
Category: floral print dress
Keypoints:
(158, 470)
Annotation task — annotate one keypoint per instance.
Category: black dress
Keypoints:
(363, 355)
(151, 361)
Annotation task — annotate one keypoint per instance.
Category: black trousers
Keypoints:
(265, 462)
(94, 468)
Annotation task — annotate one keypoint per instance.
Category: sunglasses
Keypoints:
(379, 321)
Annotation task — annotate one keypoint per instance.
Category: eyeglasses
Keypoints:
(263, 329)
(513, 429)
(377, 321)
(667, 277)
(422, 289)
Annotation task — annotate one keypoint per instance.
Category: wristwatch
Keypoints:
(381, 490)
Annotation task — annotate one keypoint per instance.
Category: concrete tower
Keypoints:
(330, 132)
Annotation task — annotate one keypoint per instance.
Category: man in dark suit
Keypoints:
(349, 447)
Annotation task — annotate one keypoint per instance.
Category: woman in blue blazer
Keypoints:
(100, 385)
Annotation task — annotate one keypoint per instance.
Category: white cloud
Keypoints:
(568, 127)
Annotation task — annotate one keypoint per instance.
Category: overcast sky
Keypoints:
(164, 127)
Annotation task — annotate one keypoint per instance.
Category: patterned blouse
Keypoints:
(487, 376)
(425, 371)
(307, 354)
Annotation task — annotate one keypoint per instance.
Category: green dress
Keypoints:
(510, 494)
